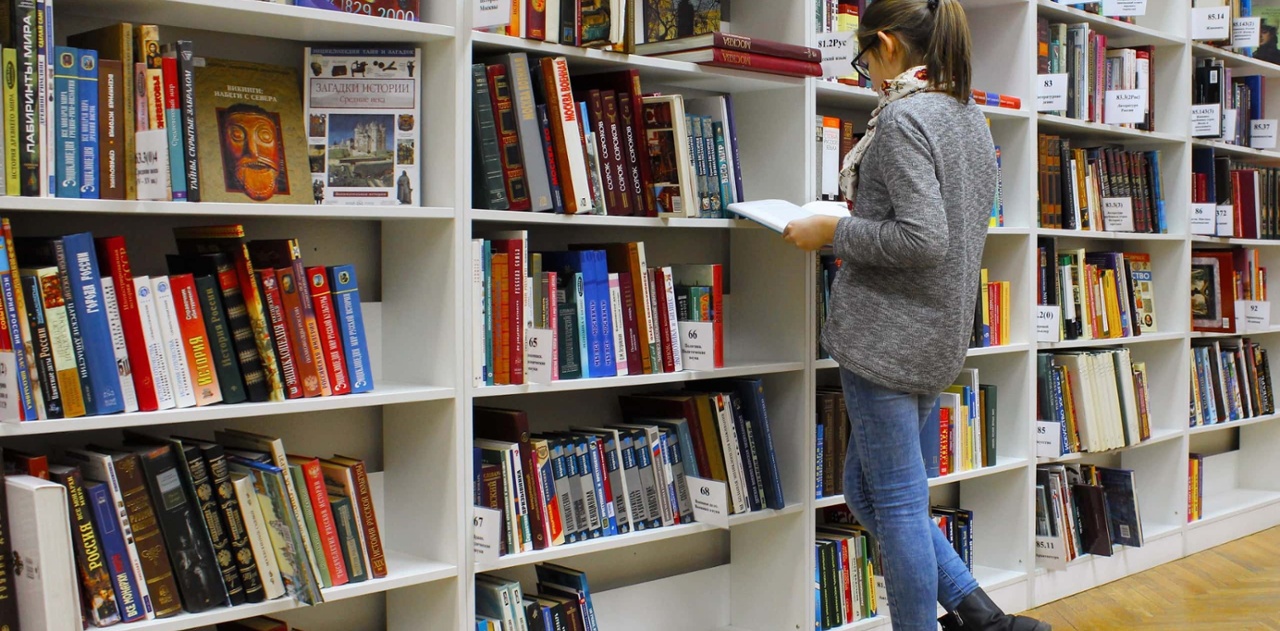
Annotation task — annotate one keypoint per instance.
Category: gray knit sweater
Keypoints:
(902, 304)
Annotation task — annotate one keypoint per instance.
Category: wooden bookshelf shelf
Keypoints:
(1158, 436)
(1225, 504)
(1119, 341)
(1003, 464)
(1260, 156)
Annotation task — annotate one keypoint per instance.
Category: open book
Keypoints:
(777, 213)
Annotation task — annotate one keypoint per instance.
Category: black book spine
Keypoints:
(29, 130)
(489, 189)
(8, 593)
(187, 101)
(344, 518)
(237, 534)
(202, 485)
(255, 379)
(90, 562)
(45, 369)
(750, 463)
(190, 553)
(220, 340)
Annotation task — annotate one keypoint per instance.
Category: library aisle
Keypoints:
(1232, 586)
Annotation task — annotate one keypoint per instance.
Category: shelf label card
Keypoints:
(698, 345)
(1048, 439)
(1244, 32)
(1263, 134)
(1230, 118)
(486, 534)
(1126, 106)
(490, 13)
(1210, 23)
(1051, 92)
(1204, 219)
(1117, 214)
(1051, 553)
(1206, 120)
(1226, 221)
(710, 502)
(1124, 8)
(1254, 316)
(1048, 323)
(838, 50)
(539, 346)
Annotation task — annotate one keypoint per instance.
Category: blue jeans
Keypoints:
(886, 487)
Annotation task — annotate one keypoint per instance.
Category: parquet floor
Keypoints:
(1234, 587)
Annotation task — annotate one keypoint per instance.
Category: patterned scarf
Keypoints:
(912, 81)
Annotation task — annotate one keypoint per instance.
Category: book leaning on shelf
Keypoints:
(86, 336)
(595, 310)
(1091, 401)
(562, 601)
(1100, 295)
(169, 525)
(1099, 188)
(589, 482)
(1230, 381)
(596, 144)
(1084, 509)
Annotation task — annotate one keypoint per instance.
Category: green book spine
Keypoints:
(348, 534)
(309, 516)
(221, 342)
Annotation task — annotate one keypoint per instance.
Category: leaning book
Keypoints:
(363, 125)
(251, 142)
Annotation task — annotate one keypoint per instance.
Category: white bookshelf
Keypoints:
(414, 429)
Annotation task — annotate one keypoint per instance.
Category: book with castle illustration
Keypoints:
(362, 125)
(252, 147)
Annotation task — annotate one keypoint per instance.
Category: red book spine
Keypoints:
(944, 441)
(642, 146)
(304, 360)
(515, 306)
(630, 327)
(113, 256)
(280, 332)
(764, 63)
(369, 520)
(195, 340)
(617, 202)
(501, 298)
(553, 319)
(169, 66)
(848, 581)
(765, 47)
(330, 338)
(656, 283)
(535, 15)
(325, 524)
(717, 312)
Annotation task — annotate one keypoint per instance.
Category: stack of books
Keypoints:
(840, 19)
(598, 144)
(1098, 399)
(562, 601)
(1085, 509)
(170, 525)
(1102, 295)
(1230, 381)
(1093, 69)
(233, 320)
(557, 488)
(739, 51)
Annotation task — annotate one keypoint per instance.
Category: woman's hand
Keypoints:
(811, 233)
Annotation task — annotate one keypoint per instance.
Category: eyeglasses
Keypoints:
(860, 66)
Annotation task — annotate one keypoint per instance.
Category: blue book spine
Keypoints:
(753, 390)
(103, 390)
(600, 272)
(355, 347)
(67, 119)
(608, 512)
(113, 549)
(486, 255)
(930, 444)
(87, 92)
(594, 318)
(818, 459)
(587, 468)
(817, 585)
(177, 157)
(1157, 186)
(1060, 411)
(644, 460)
(662, 453)
(11, 296)
(686, 450)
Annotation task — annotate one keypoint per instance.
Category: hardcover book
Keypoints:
(40, 526)
(363, 131)
(114, 555)
(355, 348)
(249, 126)
(97, 598)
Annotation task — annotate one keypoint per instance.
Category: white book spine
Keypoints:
(673, 330)
(522, 500)
(40, 532)
(619, 331)
(830, 161)
(477, 321)
(567, 110)
(259, 538)
(662, 470)
(154, 341)
(732, 456)
(117, 345)
(553, 22)
(171, 339)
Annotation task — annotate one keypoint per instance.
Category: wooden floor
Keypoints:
(1234, 587)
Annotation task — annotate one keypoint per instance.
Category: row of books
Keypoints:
(1099, 188)
(124, 117)
(960, 436)
(1246, 196)
(1220, 278)
(1100, 295)
(595, 310)
(1095, 7)
(1195, 487)
(1098, 399)
(167, 525)
(1230, 381)
(556, 488)
(993, 312)
(562, 602)
(848, 575)
(598, 144)
(1084, 509)
(1240, 100)
(1093, 70)
(232, 321)
(840, 19)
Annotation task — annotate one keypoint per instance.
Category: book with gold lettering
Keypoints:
(249, 126)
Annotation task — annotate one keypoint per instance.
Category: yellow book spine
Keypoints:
(12, 176)
(1004, 311)
(984, 299)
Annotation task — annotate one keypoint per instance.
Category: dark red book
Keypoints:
(279, 332)
(627, 82)
(630, 324)
(617, 201)
(724, 58)
(304, 359)
(728, 41)
(535, 15)
(23, 463)
(114, 260)
(657, 284)
(330, 336)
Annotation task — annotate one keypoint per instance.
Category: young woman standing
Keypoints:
(922, 181)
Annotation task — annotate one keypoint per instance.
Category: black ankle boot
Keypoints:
(977, 613)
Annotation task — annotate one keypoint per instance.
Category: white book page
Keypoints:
(776, 213)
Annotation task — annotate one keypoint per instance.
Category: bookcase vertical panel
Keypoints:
(432, 607)
(768, 588)
(766, 270)
(1003, 39)
(443, 123)
(420, 301)
(1161, 484)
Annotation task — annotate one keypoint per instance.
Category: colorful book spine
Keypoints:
(45, 59)
(280, 332)
(330, 333)
(46, 369)
(203, 494)
(115, 259)
(304, 360)
(355, 349)
(29, 101)
(114, 552)
(23, 324)
(221, 340)
(185, 53)
(66, 81)
(12, 158)
(111, 162)
(94, 579)
(87, 104)
(118, 347)
(195, 340)
(157, 349)
(77, 261)
(173, 127)
(28, 386)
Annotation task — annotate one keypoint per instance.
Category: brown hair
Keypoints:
(933, 31)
